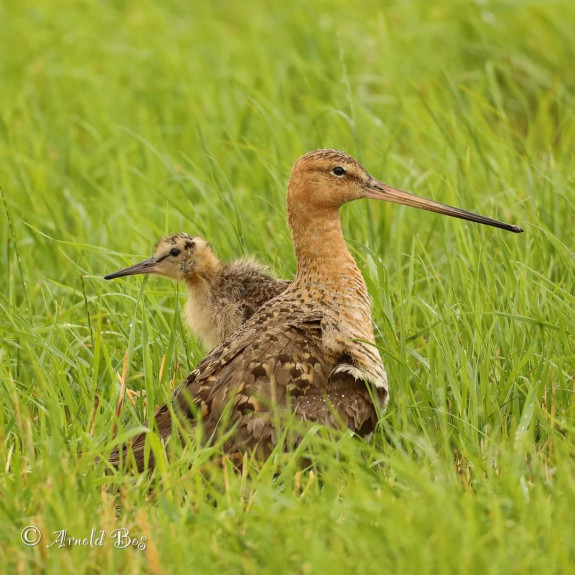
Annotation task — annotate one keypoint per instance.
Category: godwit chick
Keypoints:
(311, 350)
(221, 295)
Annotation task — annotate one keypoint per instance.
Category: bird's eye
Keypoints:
(175, 252)
(338, 171)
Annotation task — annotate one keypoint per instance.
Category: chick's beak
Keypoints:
(377, 190)
(146, 267)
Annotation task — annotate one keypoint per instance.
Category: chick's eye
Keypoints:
(175, 252)
(338, 171)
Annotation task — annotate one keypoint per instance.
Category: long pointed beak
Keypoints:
(146, 267)
(379, 191)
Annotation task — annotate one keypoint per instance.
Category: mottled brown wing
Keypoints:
(275, 362)
(286, 371)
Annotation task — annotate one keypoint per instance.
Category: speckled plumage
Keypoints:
(311, 350)
(221, 295)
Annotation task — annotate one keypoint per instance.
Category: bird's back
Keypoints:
(279, 361)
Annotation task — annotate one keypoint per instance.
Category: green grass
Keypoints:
(120, 121)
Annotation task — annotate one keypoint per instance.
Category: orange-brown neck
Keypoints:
(327, 273)
(323, 259)
(319, 246)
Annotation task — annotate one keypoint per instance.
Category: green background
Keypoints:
(121, 121)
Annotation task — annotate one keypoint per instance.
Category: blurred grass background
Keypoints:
(120, 121)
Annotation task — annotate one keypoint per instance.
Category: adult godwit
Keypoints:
(221, 295)
(311, 350)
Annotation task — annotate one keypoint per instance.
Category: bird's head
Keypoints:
(324, 180)
(177, 256)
